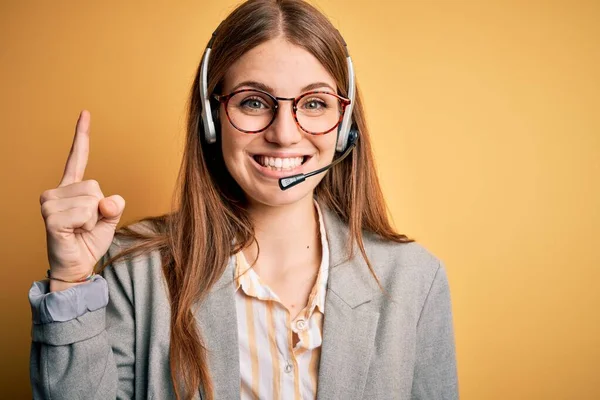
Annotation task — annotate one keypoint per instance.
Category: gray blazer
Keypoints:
(375, 346)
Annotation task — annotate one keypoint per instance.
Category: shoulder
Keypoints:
(409, 273)
(401, 268)
(393, 261)
(129, 251)
(131, 268)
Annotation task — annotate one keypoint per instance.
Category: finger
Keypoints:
(67, 221)
(78, 156)
(89, 187)
(93, 220)
(54, 206)
(111, 208)
(106, 215)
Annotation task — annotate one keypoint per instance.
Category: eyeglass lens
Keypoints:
(253, 111)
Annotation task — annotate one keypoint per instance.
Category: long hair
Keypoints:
(209, 214)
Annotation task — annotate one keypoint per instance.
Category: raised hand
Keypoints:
(80, 221)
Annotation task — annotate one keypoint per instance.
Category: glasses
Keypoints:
(253, 111)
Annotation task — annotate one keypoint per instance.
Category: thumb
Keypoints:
(112, 208)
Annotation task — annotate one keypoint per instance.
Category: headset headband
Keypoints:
(210, 132)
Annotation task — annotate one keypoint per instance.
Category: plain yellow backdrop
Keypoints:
(485, 117)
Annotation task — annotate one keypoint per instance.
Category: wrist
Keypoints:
(57, 286)
(60, 281)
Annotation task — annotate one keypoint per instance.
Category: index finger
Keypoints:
(80, 149)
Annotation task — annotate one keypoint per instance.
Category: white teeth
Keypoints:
(279, 164)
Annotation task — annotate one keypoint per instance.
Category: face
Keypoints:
(257, 161)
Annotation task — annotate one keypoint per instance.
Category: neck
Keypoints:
(288, 236)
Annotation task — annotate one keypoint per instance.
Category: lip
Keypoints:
(279, 174)
(281, 154)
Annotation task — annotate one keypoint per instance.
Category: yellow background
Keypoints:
(486, 122)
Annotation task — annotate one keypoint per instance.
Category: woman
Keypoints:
(247, 290)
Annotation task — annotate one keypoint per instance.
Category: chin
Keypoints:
(271, 195)
(261, 183)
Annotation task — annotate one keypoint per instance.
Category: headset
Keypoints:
(347, 136)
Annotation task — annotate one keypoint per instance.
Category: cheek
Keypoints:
(326, 145)
(232, 146)
(230, 138)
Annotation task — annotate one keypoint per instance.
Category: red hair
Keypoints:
(195, 239)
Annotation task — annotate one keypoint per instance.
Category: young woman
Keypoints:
(246, 290)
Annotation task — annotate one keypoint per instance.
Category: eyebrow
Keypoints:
(267, 88)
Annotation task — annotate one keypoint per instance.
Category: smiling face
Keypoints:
(257, 161)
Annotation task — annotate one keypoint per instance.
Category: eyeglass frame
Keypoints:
(224, 99)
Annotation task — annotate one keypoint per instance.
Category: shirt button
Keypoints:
(301, 324)
(288, 368)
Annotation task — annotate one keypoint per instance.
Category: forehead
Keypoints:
(279, 64)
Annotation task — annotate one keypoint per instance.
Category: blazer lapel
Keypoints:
(349, 325)
(218, 323)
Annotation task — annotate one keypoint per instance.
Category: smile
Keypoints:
(280, 163)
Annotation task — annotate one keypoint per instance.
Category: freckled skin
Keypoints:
(283, 265)
(286, 68)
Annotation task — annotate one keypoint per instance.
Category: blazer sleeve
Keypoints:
(82, 345)
(435, 375)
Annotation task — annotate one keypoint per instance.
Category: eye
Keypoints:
(253, 103)
(314, 104)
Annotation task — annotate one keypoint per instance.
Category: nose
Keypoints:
(284, 131)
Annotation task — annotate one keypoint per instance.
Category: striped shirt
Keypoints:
(271, 367)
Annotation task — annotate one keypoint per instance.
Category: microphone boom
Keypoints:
(291, 181)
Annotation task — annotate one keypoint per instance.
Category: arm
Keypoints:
(435, 374)
(82, 342)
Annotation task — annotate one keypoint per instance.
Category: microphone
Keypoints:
(291, 181)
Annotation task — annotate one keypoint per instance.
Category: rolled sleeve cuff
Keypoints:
(68, 304)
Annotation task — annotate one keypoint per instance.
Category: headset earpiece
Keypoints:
(352, 136)
(347, 131)
(216, 121)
